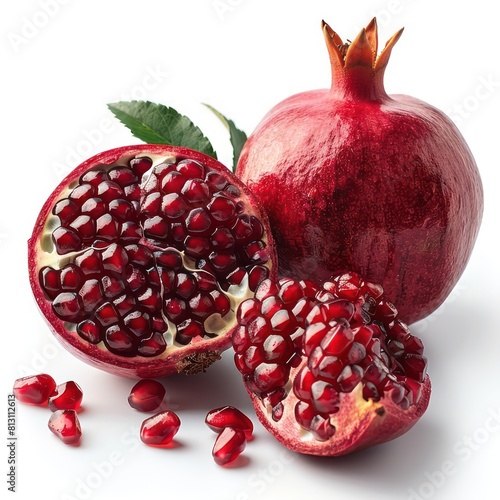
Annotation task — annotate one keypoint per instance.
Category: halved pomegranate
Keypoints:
(330, 369)
(140, 256)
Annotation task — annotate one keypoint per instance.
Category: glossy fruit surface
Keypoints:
(380, 184)
(139, 258)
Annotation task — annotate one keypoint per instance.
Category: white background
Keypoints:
(242, 56)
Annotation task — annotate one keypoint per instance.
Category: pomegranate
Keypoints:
(229, 416)
(354, 179)
(66, 426)
(330, 369)
(140, 256)
(146, 395)
(67, 396)
(160, 429)
(34, 389)
(229, 445)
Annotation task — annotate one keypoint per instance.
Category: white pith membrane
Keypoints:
(215, 325)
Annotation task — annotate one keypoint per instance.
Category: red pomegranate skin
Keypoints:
(355, 179)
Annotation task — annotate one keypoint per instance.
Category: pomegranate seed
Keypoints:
(66, 240)
(191, 169)
(122, 176)
(229, 416)
(68, 306)
(94, 177)
(228, 446)
(152, 346)
(65, 209)
(66, 426)
(67, 396)
(140, 165)
(146, 395)
(34, 389)
(160, 429)
(71, 277)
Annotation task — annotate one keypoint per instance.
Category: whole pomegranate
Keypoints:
(355, 179)
(140, 256)
(330, 369)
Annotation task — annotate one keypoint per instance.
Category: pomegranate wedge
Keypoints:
(330, 369)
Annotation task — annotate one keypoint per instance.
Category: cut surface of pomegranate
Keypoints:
(67, 396)
(383, 185)
(66, 426)
(160, 429)
(147, 395)
(34, 389)
(141, 255)
(330, 369)
(229, 416)
(229, 445)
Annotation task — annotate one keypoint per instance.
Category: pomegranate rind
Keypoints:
(359, 423)
(191, 358)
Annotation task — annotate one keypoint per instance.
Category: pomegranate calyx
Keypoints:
(357, 71)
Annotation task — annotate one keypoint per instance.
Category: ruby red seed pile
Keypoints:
(63, 400)
(233, 427)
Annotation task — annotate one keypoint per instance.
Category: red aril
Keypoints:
(229, 445)
(34, 389)
(355, 179)
(229, 416)
(66, 426)
(67, 396)
(146, 395)
(341, 373)
(160, 429)
(140, 256)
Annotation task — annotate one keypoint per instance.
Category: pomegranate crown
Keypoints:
(357, 70)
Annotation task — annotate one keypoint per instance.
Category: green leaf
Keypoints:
(158, 124)
(237, 136)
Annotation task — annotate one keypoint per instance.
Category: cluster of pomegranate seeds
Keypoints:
(341, 335)
(234, 429)
(146, 395)
(147, 254)
(64, 400)
(160, 429)
(34, 389)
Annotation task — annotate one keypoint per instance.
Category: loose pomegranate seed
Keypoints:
(66, 426)
(146, 395)
(229, 445)
(67, 396)
(160, 429)
(229, 416)
(34, 389)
